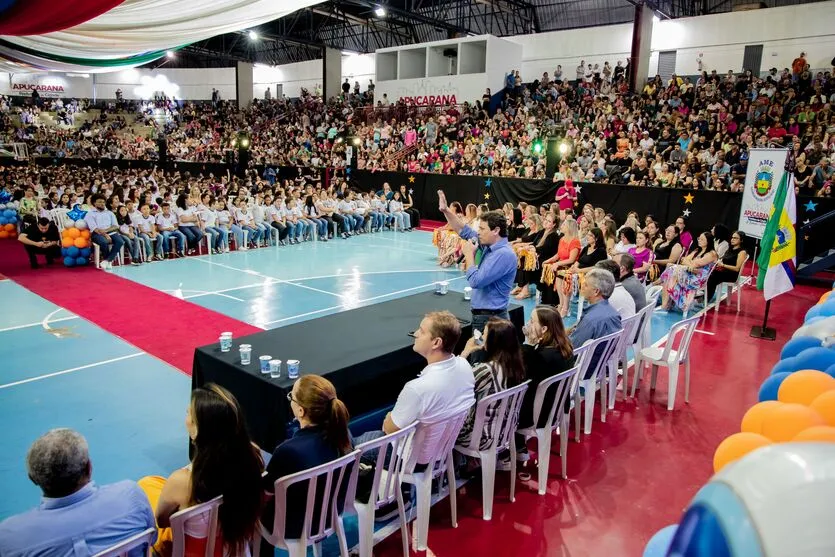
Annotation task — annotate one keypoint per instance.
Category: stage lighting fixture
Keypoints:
(357, 141)
(565, 148)
(253, 36)
(170, 54)
(380, 11)
(537, 146)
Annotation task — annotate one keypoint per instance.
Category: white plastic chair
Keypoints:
(120, 259)
(728, 287)
(180, 518)
(60, 218)
(123, 548)
(605, 346)
(631, 328)
(670, 358)
(207, 237)
(565, 385)
(329, 519)
(443, 438)
(385, 486)
(643, 337)
(505, 406)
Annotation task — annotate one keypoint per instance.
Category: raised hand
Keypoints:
(442, 203)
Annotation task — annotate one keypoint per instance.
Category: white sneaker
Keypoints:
(105, 265)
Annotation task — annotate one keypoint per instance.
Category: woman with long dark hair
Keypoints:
(682, 281)
(225, 463)
(501, 368)
(729, 265)
(323, 437)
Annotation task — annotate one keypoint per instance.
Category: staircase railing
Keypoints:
(403, 153)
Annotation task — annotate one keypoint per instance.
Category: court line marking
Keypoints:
(358, 302)
(429, 253)
(71, 370)
(200, 293)
(262, 275)
(38, 324)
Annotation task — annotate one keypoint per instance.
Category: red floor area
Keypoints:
(636, 473)
(161, 325)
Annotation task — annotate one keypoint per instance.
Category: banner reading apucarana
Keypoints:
(765, 170)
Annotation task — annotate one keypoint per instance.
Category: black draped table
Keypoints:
(365, 352)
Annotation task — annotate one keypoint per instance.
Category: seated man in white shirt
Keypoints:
(444, 388)
(621, 300)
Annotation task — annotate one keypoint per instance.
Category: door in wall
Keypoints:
(666, 64)
(752, 59)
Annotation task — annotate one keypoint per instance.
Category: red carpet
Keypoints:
(636, 473)
(157, 323)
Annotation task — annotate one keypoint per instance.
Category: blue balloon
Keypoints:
(797, 345)
(819, 358)
(85, 252)
(789, 365)
(814, 311)
(12, 220)
(8, 213)
(69, 261)
(3, 220)
(80, 261)
(64, 252)
(769, 388)
(826, 309)
(830, 370)
(814, 319)
(73, 251)
(659, 544)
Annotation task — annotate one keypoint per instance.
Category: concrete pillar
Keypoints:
(641, 47)
(331, 73)
(243, 83)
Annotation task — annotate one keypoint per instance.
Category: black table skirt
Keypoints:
(365, 352)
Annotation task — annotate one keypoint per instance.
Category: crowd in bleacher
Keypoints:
(674, 133)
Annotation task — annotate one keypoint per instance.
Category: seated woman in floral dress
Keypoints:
(682, 281)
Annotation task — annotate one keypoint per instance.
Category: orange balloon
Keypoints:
(818, 433)
(80, 243)
(10, 228)
(67, 242)
(802, 387)
(825, 296)
(785, 422)
(85, 234)
(13, 234)
(825, 406)
(4, 234)
(736, 446)
(73, 232)
(752, 421)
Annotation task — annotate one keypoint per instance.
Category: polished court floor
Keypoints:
(58, 370)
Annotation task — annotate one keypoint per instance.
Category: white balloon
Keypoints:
(2, 206)
(16, 204)
(81, 224)
(821, 329)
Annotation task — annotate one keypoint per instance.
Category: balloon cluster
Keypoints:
(75, 244)
(8, 219)
(796, 402)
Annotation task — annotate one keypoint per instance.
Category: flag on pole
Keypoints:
(779, 243)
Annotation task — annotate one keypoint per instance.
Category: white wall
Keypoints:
(783, 32)
(544, 51)
(48, 85)
(292, 77)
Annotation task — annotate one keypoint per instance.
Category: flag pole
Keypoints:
(764, 331)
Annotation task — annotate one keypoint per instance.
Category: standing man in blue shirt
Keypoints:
(75, 517)
(491, 266)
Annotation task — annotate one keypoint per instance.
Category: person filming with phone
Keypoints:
(491, 264)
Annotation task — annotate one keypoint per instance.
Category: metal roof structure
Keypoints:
(362, 26)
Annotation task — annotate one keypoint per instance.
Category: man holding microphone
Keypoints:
(491, 265)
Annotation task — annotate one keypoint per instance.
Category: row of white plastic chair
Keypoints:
(394, 465)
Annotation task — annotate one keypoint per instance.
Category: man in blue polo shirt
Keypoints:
(76, 517)
(491, 266)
